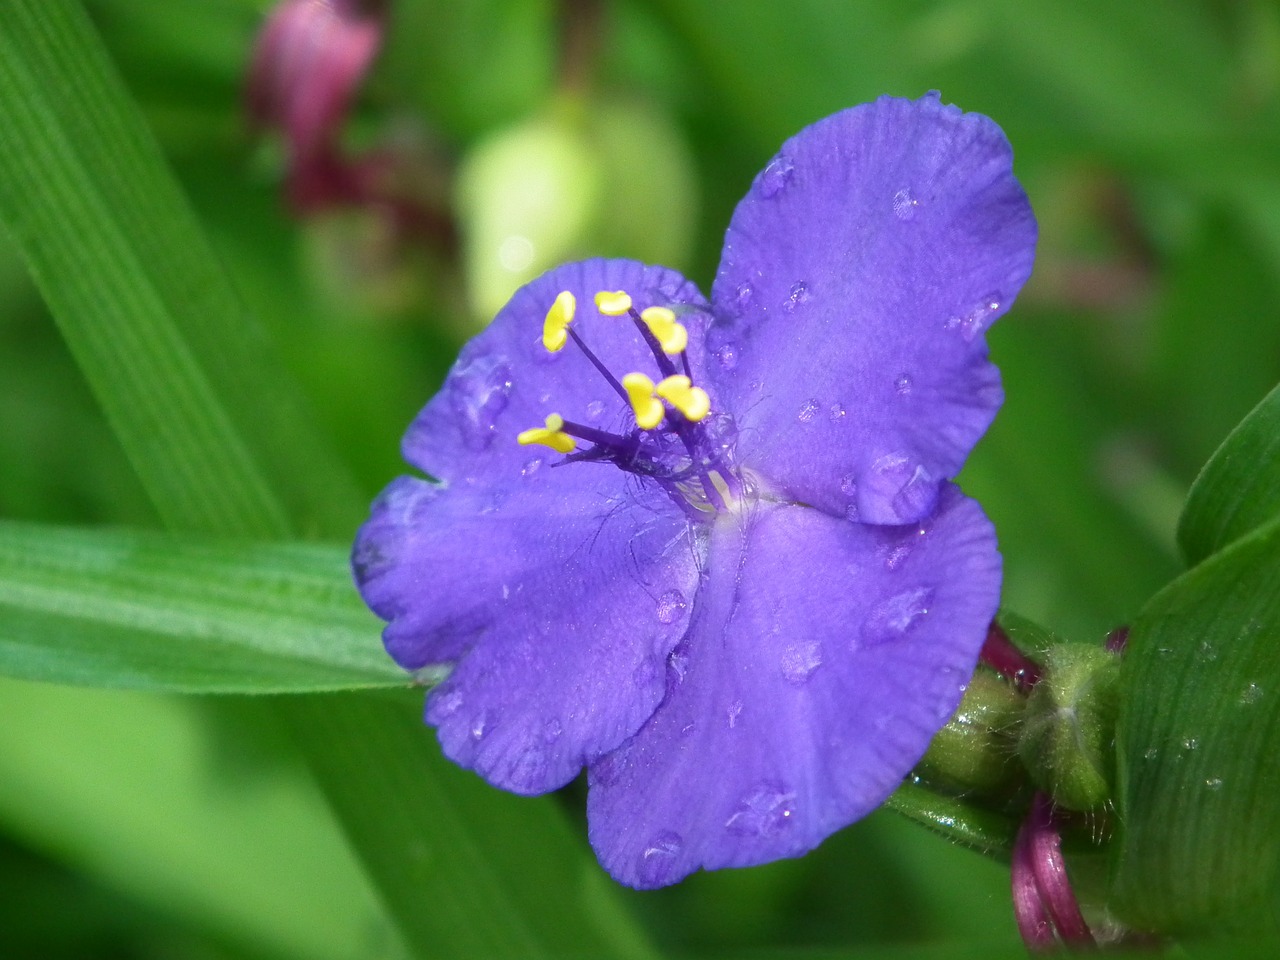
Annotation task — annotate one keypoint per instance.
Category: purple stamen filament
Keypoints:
(632, 454)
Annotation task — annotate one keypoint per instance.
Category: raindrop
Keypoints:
(1150, 753)
(595, 409)
(904, 204)
(978, 318)
(776, 175)
(902, 385)
(808, 410)
(894, 558)
(482, 724)
(848, 485)
(531, 467)
(797, 295)
(1190, 743)
(552, 730)
(479, 394)
(1208, 653)
(743, 296)
(678, 662)
(836, 413)
(1251, 694)
(658, 860)
(800, 660)
(734, 712)
(671, 607)
(1214, 783)
(763, 812)
(727, 356)
(445, 703)
(892, 618)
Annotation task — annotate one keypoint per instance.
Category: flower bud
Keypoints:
(976, 752)
(608, 178)
(1068, 735)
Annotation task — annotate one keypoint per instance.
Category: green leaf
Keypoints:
(1197, 742)
(159, 612)
(126, 788)
(185, 377)
(512, 889)
(986, 831)
(1239, 488)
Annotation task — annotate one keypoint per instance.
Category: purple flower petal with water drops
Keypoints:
(821, 659)
(858, 276)
(668, 540)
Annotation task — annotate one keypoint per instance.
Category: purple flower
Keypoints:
(745, 600)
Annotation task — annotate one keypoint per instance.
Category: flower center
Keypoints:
(677, 442)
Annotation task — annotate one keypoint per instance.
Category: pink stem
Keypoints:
(1000, 654)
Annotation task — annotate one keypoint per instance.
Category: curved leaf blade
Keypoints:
(114, 608)
(1239, 488)
(1198, 743)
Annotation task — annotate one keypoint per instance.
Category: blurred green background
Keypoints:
(1148, 137)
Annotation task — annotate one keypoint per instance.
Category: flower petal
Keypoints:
(559, 601)
(857, 279)
(505, 381)
(822, 658)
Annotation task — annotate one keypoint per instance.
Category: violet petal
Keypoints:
(822, 658)
(857, 279)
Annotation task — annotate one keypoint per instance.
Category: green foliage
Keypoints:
(251, 376)
(1199, 734)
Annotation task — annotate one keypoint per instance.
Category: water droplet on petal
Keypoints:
(1251, 694)
(808, 410)
(531, 467)
(836, 412)
(896, 555)
(444, 704)
(800, 660)
(797, 295)
(902, 385)
(658, 861)
(679, 663)
(848, 485)
(776, 175)
(977, 319)
(892, 618)
(479, 391)
(595, 410)
(727, 356)
(734, 711)
(482, 724)
(671, 607)
(766, 810)
(904, 204)
(743, 296)
(552, 730)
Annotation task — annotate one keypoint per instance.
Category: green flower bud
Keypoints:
(976, 752)
(1068, 735)
(580, 180)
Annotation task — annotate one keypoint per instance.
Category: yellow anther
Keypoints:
(613, 303)
(555, 329)
(679, 391)
(552, 435)
(648, 409)
(662, 324)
